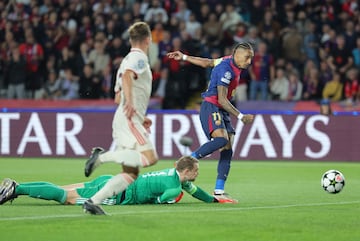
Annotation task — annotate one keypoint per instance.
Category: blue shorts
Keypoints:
(212, 118)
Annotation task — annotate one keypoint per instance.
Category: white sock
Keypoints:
(129, 158)
(113, 187)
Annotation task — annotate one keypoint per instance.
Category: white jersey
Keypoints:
(138, 62)
(131, 134)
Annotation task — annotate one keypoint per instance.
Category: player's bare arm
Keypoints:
(117, 98)
(226, 105)
(147, 123)
(203, 62)
(128, 77)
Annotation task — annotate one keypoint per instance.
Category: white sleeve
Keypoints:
(136, 62)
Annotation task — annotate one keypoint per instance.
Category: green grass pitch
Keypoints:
(280, 201)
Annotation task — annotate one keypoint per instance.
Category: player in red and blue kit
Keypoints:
(216, 107)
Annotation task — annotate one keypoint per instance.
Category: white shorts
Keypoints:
(130, 134)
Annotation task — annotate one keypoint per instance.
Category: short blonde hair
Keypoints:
(186, 162)
(139, 31)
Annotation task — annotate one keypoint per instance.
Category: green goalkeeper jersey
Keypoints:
(161, 187)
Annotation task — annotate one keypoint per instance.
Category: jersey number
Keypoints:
(216, 116)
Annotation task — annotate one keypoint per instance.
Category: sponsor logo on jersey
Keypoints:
(227, 77)
(141, 64)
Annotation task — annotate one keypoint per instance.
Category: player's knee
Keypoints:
(149, 158)
(220, 142)
(132, 171)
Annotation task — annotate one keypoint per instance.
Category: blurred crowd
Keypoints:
(70, 49)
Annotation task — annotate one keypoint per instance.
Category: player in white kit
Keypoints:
(133, 146)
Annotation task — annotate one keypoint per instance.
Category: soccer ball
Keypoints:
(333, 181)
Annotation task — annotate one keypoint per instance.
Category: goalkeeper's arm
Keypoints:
(198, 193)
(169, 196)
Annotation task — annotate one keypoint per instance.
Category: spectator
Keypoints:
(273, 44)
(144, 6)
(261, 72)
(182, 13)
(269, 23)
(160, 90)
(107, 84)
(219, 9)
(333, 89)
(294, 87)
(311, 87)
(256, 12)
(308, 66)
(165, 45)
(212, 31)
(350, 35)
(340, 58)
(311, 43)
(279, 86)
(240, 33)
(98, 57)
(241, 89)
(153, 54)
(329, 44)
(16, 75)
(82, 57)
(112, 30)
(69, 85)
(292, 43)
(89, 84)
(325, 73)
(67, 60)
(117, 50)
(33, 54)
(352, 87)
(356, 53)
(136, 11)
(204, 13)
(38, 28)
(253, 37)
(229, 19)
(67, 21)
(156, 13)
(69, 24)
(156, 75)
(301, 22)
(119, 6)
(18, 12)
(331, 9)
(45, 7)
(157, 33)
(173, 26)
(52, 87)
(86, 29)
(350, 7)
(99, 22)
(192, 26)
(175, 89)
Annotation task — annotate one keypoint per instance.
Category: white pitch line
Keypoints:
(171, 210)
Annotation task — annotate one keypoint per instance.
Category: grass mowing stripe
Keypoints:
(183, 210)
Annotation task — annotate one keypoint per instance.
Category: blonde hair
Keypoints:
(186, 162)
(139, 31)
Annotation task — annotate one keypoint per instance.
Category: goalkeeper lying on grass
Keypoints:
(157, 187)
